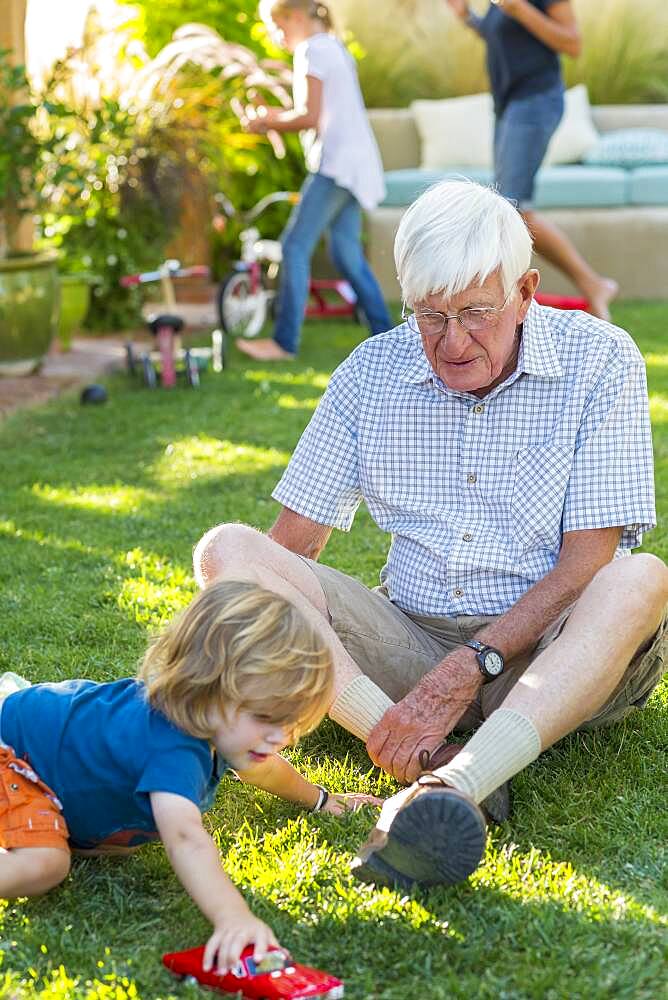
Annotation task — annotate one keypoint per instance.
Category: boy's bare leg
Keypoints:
(32, 871)
(237, 552)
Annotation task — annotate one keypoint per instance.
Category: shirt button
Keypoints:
(479, 408)
(458, 592)
(471, 478)
(467, 536)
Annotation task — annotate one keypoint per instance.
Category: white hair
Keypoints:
(455, 235)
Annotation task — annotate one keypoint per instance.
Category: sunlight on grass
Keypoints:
(534, 875)
(289, 402)
(658, 409)
(157, 589)
(12, 530)
(203, 457)
(114, 499)
(59, 984)
(264, 378)
(656, 360)
(293, 867)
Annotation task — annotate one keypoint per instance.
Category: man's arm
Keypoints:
(300, 534)
(430, 711)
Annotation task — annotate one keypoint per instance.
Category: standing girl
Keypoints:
(524, 39)
(345, 171)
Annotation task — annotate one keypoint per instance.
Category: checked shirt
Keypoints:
(476, 493)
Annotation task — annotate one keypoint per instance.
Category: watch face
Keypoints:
(493, 663)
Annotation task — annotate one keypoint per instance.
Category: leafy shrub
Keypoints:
(110, 189)
(232, 19)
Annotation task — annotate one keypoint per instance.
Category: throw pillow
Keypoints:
(576, 133)
(630, 147)
(457, 132)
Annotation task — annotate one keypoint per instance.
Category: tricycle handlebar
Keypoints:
(170, 268)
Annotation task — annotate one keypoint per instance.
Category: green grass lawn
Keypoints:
(99, 510)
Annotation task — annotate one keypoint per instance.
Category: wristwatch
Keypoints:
(490, 660)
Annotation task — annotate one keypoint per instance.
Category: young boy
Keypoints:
(103, 768)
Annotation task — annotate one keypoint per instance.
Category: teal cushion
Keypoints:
(649, 186)
(404, 186)
(574, 185)
(630, 147)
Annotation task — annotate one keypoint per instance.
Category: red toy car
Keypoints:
(275, 977)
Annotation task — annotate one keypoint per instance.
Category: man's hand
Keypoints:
(423, 719)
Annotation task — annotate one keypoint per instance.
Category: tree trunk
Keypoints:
(12, 36)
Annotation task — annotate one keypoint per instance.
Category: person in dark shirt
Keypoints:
(524, 39)
(105, 767)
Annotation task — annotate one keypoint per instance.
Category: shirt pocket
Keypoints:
(541, 477)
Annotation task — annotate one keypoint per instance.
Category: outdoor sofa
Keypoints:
(617, 215)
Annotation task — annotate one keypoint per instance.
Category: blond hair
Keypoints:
(238, 644)
(313, 9)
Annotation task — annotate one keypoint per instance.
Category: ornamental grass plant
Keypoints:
(424, 51)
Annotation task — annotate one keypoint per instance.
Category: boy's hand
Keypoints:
(235, 929)
(340, 803)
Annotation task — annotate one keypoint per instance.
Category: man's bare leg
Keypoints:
(431, 833)
(571, 680)
(237, 552)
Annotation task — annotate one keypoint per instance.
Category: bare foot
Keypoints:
(263, 350)
(600, 297)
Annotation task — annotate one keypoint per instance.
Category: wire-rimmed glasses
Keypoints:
(473, 319)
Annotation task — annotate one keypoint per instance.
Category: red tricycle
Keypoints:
(170, 359)
(274, 977)
(246, 295)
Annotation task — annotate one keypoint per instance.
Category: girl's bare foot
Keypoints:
(263, 350)
(601, 295)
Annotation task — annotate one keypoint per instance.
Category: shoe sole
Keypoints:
(436, 839)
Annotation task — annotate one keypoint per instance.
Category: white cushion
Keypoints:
(456, 132)
(576, 133)
(459, 131)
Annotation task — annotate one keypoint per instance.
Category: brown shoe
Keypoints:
(436, 838)
(496, 807)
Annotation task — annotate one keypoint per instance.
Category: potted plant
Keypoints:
(29, 291)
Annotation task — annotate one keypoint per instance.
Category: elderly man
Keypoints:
(506, 448)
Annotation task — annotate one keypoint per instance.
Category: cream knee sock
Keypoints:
(503, 746)
(360, 706)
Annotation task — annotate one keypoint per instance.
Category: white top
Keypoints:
(342, 146)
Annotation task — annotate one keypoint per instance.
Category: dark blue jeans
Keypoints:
(324, 206)
(521, 137)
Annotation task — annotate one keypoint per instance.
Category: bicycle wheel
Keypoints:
(241, 311)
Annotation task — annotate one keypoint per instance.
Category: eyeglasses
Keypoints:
(473, 319)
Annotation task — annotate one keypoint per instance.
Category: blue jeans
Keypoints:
(324, 206)
(521, 137)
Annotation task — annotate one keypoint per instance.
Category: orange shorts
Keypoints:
(30, 813)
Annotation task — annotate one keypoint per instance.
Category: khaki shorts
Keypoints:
(396, 649)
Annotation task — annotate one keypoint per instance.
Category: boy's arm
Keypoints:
(278, 776)
(194, 857)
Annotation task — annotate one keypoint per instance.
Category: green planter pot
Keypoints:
(74, 302)
(29, 305)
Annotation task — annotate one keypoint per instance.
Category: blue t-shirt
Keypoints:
(518, 63)
(102, 749)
